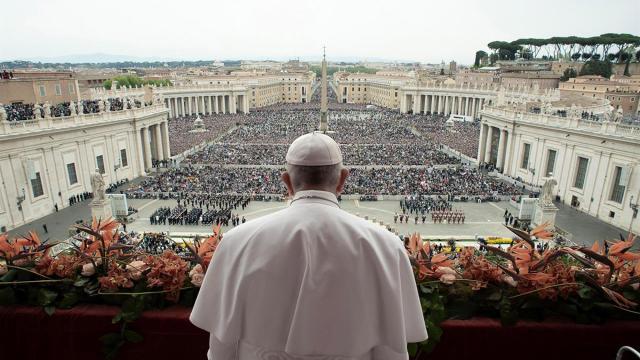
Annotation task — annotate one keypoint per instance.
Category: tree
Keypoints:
(638, 56)
(576, 56)
(568, 74)
(586, 56)
(441, 71)
(480, 54)
(593, 67)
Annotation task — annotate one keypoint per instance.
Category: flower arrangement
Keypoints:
(585, 284)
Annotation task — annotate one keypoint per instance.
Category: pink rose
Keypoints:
(88, 270)
(442, 270)
(136, 268)
(3, 269)
(509, 280)
(196, 279)
(196, 270)
(447, 279)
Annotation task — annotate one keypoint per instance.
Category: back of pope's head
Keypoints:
(314, 162)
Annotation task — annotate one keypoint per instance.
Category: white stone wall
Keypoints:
(48, 150)
(606, 145)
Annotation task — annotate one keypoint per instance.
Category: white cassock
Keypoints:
(310, 282)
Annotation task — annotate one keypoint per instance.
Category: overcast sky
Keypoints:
(415, 30)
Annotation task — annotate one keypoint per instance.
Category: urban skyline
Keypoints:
(289, 30)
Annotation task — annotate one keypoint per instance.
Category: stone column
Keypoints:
(216, 104)
(224, 104)
(508, 153)
(473, 108)
(159, 142)
(489, 144)
(210, 109)
(483, 143)
(233, 104)
(189, 112)
(245, 101)
(501, 148)
(140, 151)
(433, 104)
(147, 148)
(166, 148)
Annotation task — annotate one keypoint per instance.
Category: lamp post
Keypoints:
(20, 199)
(115, 169)
(634, 212)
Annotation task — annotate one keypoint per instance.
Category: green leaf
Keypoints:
(412, 349)
(116, 319)
(585, 293)
(9, 276)
(46, 297)
(81, 282)
(110, 338)
(50, 310)
(461, 309)
(69, 299)
(132, 336)
(7, 296)
(495, 296)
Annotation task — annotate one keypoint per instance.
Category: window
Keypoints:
(71, 89)
(525, 156)
(36, 186)
(551, 163)
(581, 172)
(100, 163)
(617, 190)
(43, 91)
(123, 158)
(58, 90)
(71, 171)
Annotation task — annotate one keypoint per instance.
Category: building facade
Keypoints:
(594, 162)
(45, 162)
(39, 87)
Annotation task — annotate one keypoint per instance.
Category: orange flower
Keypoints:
(168, 271)
(115, 279)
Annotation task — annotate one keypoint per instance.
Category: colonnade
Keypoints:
(494, 146)
(443, 104)
(153, 144)
(206, 104)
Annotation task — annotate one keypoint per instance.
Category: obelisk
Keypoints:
(323, 95)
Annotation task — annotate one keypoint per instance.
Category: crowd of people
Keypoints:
(462, 136)
(353, 154)
(451, 181)
(202, 209)
(21, 112)
(157, 243)
(182, 138)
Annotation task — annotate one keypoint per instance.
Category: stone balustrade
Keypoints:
(49, 123)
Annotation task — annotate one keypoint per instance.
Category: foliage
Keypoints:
(480, 54)
(349, 68)
(564, 47)
(134, 81)
(568, 74)
(588, 285)
(596, 67)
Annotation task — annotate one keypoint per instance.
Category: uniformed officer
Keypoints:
(310, 281)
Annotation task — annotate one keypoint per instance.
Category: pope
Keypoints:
(310, 281)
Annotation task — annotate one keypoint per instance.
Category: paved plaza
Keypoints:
(483, 219)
